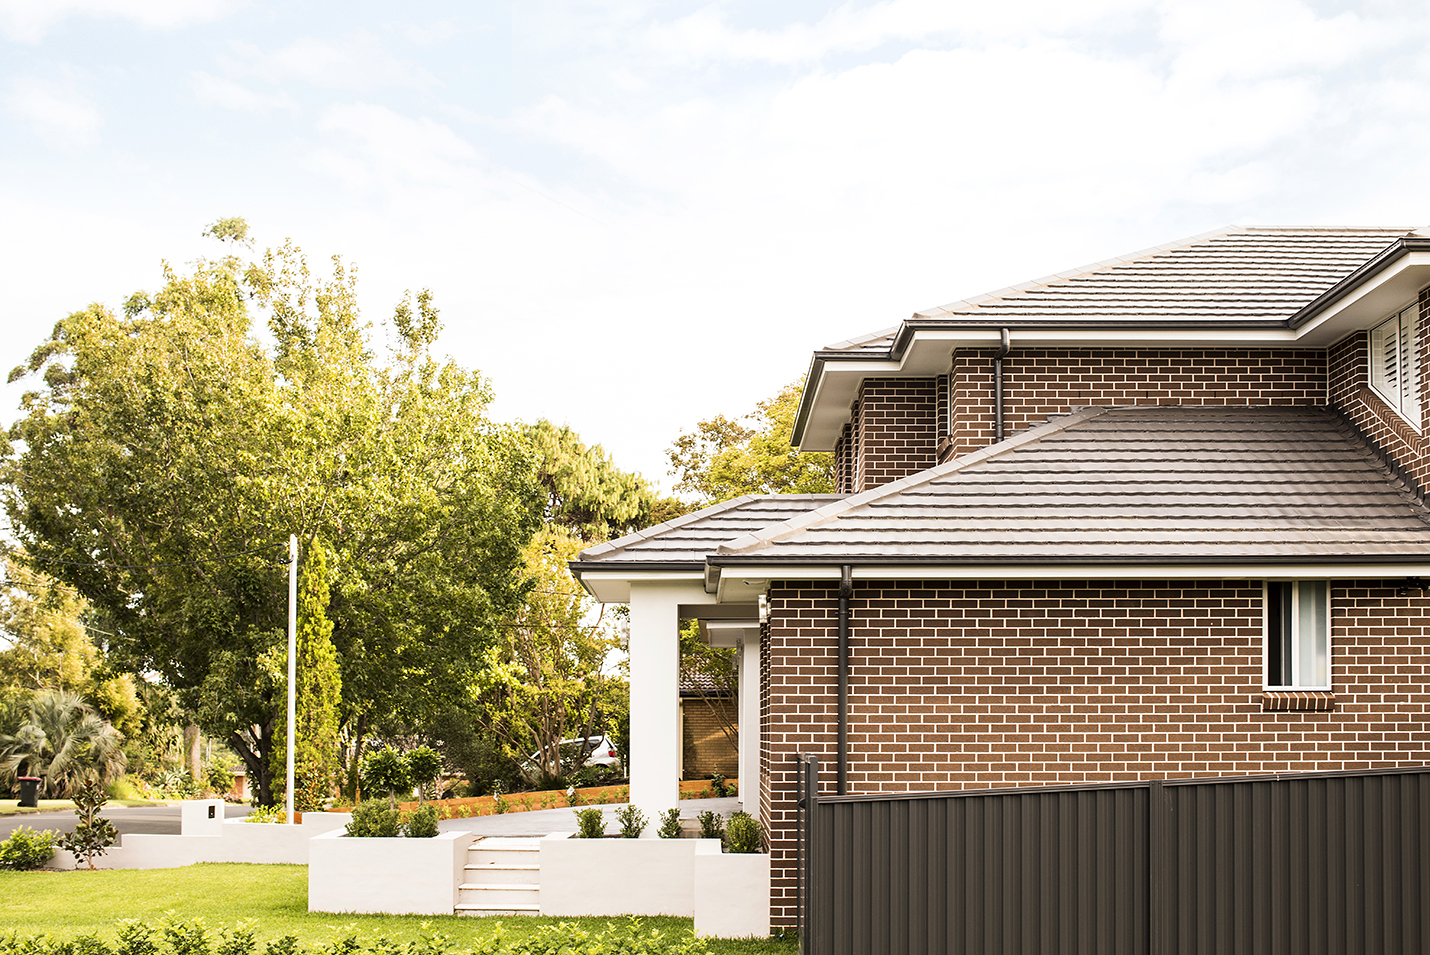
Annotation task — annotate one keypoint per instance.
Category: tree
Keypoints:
(46, 646)
(165, 455)
(725, 458)
(63, 741)
(585, 492)
(709, 674)
(544, 682)
(316, 697)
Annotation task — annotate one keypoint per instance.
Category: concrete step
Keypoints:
(463, 908)
(502, 873)
(499, 895)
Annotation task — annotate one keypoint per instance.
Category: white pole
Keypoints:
(292, 665)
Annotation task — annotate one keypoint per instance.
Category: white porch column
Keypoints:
(749, 720)
(655, 697)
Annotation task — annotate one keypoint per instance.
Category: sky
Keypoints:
(636, 215)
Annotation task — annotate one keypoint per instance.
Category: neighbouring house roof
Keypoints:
(1168, 484)
(684, 542)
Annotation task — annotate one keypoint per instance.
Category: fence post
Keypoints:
(1156, 868)
(808, 798)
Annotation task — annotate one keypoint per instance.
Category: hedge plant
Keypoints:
(27, 848)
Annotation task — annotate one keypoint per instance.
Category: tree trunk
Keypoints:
(191, 747)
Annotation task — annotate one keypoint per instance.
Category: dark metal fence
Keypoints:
(1308, 863)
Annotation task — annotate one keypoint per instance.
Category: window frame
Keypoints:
(1410, 409)
(1266, 637)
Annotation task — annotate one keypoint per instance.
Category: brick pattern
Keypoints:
(1015, 683)
(896, 425)
(705, 749)
(844, 461)
(1351, 394)
(1038, 382)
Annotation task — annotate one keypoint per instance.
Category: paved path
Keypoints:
(163, 820)
(543, 822)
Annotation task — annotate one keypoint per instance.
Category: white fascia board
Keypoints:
(614, 586)
(1388, 290)
(753, 577)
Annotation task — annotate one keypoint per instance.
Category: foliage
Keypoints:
(712, 825)
(744, 833)
(724, 458)
(41, 620)
(179, 936)
(218, 778)
(468, 748)
(669, 824)
(178, 784)
(423, 765)
(632, 820)
(316, 698)
(64, 741)
(585, 493)
(94, 834)
(386, 770)
(421, 822)
(267, 814)
(545, 680)
(719, 787)
(373, 818)
(27, 848)
(591, 822)
(165, 454)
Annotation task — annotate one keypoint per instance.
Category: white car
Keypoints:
(601, 751)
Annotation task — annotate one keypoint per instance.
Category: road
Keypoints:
(155, 819)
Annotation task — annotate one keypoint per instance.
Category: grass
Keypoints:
(67, 904)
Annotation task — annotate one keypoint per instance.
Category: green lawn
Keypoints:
(66, 904)
(9, 807)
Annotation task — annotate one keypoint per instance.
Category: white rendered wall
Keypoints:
(620, 876)
(732, 893)
(749, 719)
(395, 876)
(655, 694)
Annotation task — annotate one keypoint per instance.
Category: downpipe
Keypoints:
(998, 386)
(846, 590)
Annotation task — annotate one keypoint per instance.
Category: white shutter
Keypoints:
(1409, 377)
(1394, 363)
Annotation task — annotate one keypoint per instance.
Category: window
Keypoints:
(1298, 635)
(1394, 364)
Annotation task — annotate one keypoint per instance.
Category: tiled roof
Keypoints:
(1234, 274)
(1153, 484)
(688, 539)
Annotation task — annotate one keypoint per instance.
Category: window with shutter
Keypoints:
(1394, 364)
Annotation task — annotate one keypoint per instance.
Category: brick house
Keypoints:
(1159, 517)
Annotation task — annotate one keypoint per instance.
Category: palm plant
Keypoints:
(64, 741)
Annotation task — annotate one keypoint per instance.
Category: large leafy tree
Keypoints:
(165, 454)
(724, 458)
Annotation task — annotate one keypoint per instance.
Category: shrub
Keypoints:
(421, 822)
(94, 834)
(27, 849)
(712, 825)
(218, 778)
(592, 823)
(744, 833)
(717, 785)
(633, 821)
(135, 938)
(374, 818)
(267, 814)
(185, 937)
(669, 824)
(238, 940)
(423, 765)
(386, 771)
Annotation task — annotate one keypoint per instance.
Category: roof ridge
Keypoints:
(1047, 280)
(768, 535)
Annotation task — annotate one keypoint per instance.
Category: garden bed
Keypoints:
(550, 799)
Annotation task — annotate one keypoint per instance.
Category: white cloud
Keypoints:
(217, 91)
(29, 20)
(61, 115)
(357, 62)
(373, 143)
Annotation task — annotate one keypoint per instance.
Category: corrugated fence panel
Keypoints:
(1290, 865)
(1298, 865)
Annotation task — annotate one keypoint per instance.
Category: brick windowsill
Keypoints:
(1302, 700)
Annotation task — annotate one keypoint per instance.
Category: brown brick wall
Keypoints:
(1038, 382)
(1351, 394)
(705, 747)
(1011, 683)
(896, 423)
